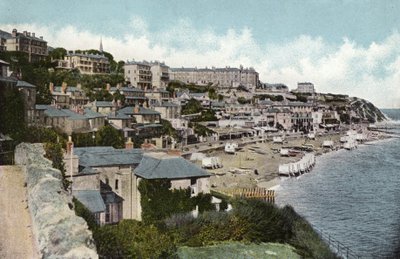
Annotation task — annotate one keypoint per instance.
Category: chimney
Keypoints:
(129, 144)
(51, 87)
(33, 34)
(108, 87)
(24, 32)
(14, 32)
(41, 37)
(118, 103)
(70, 146)
(136, 109)
(64, 87)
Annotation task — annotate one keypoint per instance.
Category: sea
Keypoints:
(354, 196)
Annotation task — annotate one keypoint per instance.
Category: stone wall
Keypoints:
(58, 231)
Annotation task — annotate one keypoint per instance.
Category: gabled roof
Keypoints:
(24, 84)
(107, 156)
(91, 199)
(163, 166)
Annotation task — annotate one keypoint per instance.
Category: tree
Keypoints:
(191, 107)
(57, 53)
(12, 115)
(109, 136)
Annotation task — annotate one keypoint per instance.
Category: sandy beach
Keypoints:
(256, 165)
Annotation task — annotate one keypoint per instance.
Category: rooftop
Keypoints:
(107, 156)
(164, 166)
(91, 199)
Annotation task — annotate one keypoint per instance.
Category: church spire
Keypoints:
(101, 44)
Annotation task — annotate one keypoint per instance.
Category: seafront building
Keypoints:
(221, 77)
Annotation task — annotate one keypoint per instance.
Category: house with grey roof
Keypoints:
(69, 121)
(66, 96)
(116, 174)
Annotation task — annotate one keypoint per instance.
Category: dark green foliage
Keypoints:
(191, 107)
(167, 129)
(203, 200)
(12, 117)
(201, 130)
(206, 115)
(243, 100)
(159, 202)
(133, 239)
(54, 152)
(57, 53)
(274, 98)
(34, 134)
(82, 211)
(109, 136)
(84, 139)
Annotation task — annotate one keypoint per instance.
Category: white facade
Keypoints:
(221, 77)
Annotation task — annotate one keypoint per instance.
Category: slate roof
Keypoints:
(107, 156)
(51, 111)
(163, 166)
(24, 84)
(69, 89)
(111, 197)
(91, 199)
(104, 104)
(126, 89)
(142, 111)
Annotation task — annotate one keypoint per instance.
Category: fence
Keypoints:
(256, 193)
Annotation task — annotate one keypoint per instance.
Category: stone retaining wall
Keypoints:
(59, 232)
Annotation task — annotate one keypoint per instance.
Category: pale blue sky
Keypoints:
(270, 21)
(342, 46)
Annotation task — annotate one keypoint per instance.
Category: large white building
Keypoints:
(86, 63)
(159, 75)
(306, 88)
(138, 74)
(222, 77)
(26, 42)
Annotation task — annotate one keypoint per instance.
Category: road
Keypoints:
(16, 238)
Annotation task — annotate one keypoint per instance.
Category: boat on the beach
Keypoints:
(327, 144)
(277, 139)
(230, 148)
(211, 162)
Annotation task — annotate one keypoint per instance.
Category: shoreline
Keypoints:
(383, 137)
(256, 165)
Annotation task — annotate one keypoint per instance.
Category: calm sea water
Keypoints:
(354, 196)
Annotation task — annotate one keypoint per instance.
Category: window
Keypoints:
(108, 214)
(116, 184)
(193, 181)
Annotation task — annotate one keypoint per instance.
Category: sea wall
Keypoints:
(58, 231)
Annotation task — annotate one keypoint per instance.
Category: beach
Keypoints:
(256, 165)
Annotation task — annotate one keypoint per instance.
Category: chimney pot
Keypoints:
(129, 144)
(70, 145)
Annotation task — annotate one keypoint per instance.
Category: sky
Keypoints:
(342, 46)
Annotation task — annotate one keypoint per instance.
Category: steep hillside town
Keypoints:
(120, 132)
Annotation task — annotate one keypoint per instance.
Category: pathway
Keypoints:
(16, 238)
